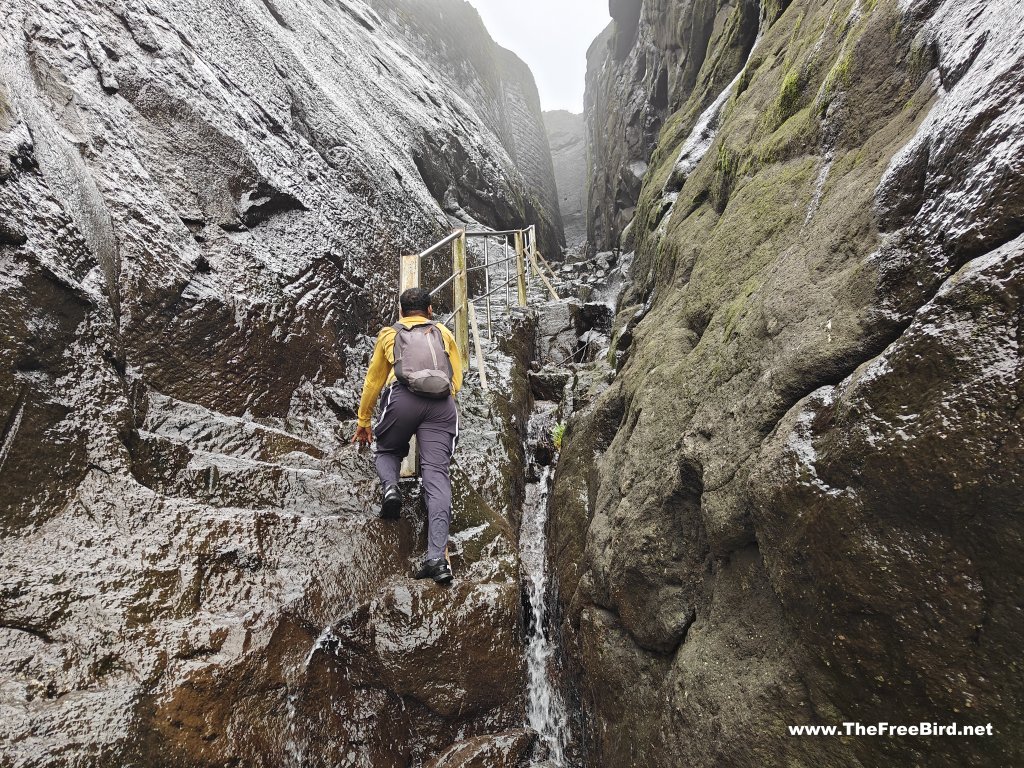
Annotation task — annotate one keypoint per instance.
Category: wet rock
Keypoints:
(605, 259)
(455, 650)
(438, 33)
(10, 233)
(566, 136)
(549, 384)
(504, 750)
(257, 205)
(925, 466)
(596, 316)
(98, 57)
(640, 71)
(791, 503)
(179, 348)
(901, 194)
(134, 18)
(593, 345)
(558, 330)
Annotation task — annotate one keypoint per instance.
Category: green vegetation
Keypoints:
(746, 76)
(738, 306)
(836, 80)
(557, 433)
(789, 94)
(771, 9)
(921, 60)
(744, 205)
(797, 25)
(727, 167)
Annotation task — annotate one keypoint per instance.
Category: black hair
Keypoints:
(415, 300)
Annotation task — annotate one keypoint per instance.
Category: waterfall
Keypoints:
(704, 130)
(819, 187)
(545, 710)
(297, 732)
(703, 134)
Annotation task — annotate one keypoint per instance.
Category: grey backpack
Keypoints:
(421, 362)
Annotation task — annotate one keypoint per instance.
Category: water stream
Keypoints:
(546, 712)
(296, 743)
(297, 734)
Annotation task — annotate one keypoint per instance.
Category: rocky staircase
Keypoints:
(297, 594)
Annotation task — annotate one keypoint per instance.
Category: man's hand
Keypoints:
(363, 436)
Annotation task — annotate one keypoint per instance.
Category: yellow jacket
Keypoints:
(382, 365)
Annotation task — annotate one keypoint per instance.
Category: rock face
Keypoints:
(798, 501)
(506, 750)
(567, 138)
(657, 59)
(500, 89)
(200, 210)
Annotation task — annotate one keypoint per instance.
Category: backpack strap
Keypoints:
(400, 326)
(397, 328)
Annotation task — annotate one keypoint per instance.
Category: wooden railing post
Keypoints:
(520, 271)
(410, 273)
(508, 276)
(479, 350)
(461, 296)
(534, 254)
(533, 249)
(487, 287)
(409, 277)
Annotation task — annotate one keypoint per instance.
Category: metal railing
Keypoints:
(527, 261)
(523, 253)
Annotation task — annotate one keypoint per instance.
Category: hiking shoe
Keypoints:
(438, 570)
(391, 506)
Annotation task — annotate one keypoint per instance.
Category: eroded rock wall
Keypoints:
(567, 138)
(798, 501)
(201, 206)
(642, 69)
(499, 88)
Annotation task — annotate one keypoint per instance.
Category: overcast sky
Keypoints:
(552, 37)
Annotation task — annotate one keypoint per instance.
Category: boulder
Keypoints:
(596, 316)
(549, 384)
(558, 330)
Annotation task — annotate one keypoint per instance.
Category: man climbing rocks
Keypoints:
(417, 362)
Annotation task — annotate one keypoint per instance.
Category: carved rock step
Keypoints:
(204, 430)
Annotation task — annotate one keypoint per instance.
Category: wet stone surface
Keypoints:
(796, 499)
(200, 213)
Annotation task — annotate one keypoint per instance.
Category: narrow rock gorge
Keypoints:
(567, 139)
(760, 466)
(798, 500)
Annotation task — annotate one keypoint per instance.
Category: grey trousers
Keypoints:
(436, 426)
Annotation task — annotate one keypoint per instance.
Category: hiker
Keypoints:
(417, 362)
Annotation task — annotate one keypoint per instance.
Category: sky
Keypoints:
(552, 37)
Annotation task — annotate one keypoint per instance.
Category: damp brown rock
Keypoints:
(196, 236)
(794, 504)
